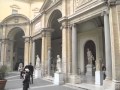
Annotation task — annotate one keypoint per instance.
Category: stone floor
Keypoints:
(14, 83)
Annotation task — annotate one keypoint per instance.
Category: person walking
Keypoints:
(31, 68)
(26, 80)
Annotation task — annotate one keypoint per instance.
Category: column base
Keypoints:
(107, 84)
(89, 70)
(38, 73)
(116, 85)
(75, 79)
(58, 78)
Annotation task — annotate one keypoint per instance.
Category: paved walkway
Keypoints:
(14, 83)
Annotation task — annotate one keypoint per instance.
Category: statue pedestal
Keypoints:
(75, 79)
(89, 70)
(58, 78)
(89, 77)
(98, 77)
(37, 73)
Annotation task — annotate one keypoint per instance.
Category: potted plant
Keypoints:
(3, 81)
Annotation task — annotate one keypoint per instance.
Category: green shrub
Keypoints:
(3, 70)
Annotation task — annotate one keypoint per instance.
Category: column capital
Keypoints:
(4, 40)
(73, 25)
(113, 2)
(27, 38)
(66, 26)
(46, 32)
(105, 12)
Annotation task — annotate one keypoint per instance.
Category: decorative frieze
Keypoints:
(81, 2)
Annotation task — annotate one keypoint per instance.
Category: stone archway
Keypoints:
(91, 46)
(56, 38)
(15, 47)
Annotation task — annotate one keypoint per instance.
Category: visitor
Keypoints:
(26, 80)
(31, 68)
(20, 69)
(104, 71)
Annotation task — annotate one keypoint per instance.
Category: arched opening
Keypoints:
(56, 38)
(92, 48)
(16, 47)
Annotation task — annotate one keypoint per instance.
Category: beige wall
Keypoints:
(24, 8)
(35, 7)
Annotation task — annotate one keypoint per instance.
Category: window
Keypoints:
(14, 11)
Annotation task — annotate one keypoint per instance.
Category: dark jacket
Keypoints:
(26, 80)
(30, 67)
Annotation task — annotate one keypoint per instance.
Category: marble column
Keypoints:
(74, 50)
(49, 62)
(3, 52)
(3, 42)
(30, 49)
(114, 16)
(64, 48)
(26, 51)
(74, 78)
(33, 53)
(43, 53)
(107, 47)
(48, 52)
(69, 43)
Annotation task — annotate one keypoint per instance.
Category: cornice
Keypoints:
(113, 2)
(89, 6)
(6, 24)
(62, 19)
(53, 6)
(80, 17)
(81, 12)
(42, 32)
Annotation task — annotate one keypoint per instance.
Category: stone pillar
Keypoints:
(107, 47)
(74, 78)
(3, 42)
(64, 48)
(26, 51)
(115, 43)
(30, 49)
(74, 50)
(48, 52)
(69, 50)
(11, 55)
(0, 49)
(46, 44)
(3, 52)
(43, 53)
(33, 53)
(49, 62)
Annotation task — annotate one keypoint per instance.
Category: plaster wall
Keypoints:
(96, 36)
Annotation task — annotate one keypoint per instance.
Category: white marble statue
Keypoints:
(37, 62)
(90, 56)
(59, 63)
